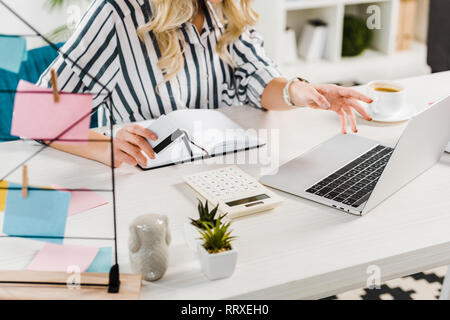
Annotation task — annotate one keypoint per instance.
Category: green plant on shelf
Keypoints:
(205, 216)
(217, 238)
(357, 36)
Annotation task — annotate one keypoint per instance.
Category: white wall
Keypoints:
(36, 14)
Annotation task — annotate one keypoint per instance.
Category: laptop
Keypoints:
(355, 174)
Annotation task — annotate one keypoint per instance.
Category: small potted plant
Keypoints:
(217, 257)
(193, 227)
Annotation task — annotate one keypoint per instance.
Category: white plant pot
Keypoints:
(217, 265)
(192, 236)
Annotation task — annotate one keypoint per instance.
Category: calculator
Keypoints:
(236, 193)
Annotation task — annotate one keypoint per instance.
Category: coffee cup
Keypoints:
(388, 97)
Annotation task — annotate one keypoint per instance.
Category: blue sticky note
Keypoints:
(102, 262)
(13, 50)
(25, 55)
(41, 215)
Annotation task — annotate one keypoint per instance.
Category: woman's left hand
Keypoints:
(343, 101)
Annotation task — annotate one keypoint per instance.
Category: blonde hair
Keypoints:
(170, 15)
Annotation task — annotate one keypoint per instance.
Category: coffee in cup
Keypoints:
(388, 97)
(386, 89)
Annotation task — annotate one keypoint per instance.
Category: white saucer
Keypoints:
(407, 113)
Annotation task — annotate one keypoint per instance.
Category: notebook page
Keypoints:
(208, 129)
(214, 131)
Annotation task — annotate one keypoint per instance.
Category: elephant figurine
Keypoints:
(149, 246)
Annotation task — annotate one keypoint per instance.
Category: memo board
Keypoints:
(26, 284)
(92, 286)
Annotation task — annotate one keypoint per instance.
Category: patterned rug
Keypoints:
(420, 286)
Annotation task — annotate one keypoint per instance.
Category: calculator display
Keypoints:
(247, 200)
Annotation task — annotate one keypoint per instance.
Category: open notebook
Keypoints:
(211, 132)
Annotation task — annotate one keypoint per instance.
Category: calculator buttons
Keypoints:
(235, 191)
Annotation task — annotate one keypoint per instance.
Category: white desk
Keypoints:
(299, 250)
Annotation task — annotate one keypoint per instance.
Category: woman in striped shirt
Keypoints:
(151, 57)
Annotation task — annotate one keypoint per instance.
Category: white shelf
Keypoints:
(380, 62)
(296, 13)
(364, 68)
(350, 2)
(291, 5)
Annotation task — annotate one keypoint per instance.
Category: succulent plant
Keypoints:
(205, 216)
(217, 238)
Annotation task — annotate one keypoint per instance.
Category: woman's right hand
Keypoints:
(129, 143)
(331, 97)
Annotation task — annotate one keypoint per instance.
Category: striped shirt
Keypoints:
(106, 45)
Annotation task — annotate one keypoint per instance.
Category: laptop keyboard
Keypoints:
(353, 184)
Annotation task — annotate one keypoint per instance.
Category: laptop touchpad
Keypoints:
(299, 174)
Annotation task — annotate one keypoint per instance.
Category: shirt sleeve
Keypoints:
(253, 69)
(89, 62)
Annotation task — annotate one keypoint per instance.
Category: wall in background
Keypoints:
(35, 13)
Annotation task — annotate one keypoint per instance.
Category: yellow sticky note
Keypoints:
(3, 192)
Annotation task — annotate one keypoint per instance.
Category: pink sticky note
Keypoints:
(82, 201)
(37, 116)
(58, 258)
